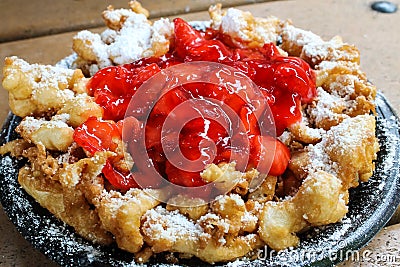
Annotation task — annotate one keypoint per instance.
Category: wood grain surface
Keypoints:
(26, 19)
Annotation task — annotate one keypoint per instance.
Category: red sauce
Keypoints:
(285, 82)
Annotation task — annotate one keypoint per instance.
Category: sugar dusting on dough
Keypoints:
(130, 37)
(169, 225)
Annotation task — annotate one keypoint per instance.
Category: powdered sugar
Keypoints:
(327, 106)
(30, 124)
(137, 35)
(130, 37)
(118, 16)
(43, 75)
(299, 36)
(248, 218)
(158, 223)
(212, 217)
(98, 48)
(223, 199)
(320, 160)
(233, 22)
(241, 25)
(319, 50)
(340, 142)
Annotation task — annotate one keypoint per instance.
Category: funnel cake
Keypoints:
(332, 145)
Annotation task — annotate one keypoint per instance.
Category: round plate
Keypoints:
(371, 206)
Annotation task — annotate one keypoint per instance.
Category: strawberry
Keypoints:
(182, 177)
(270, 51)
(96, 135)
(114, 106)
(290, 76)
(142, 74)
(117, 79)
(130, 127)
(285, 83)
(205, 128)
(267, 151)
(153, 131)
(163, 62)
(249, 120)
(113, 87)
(196, 147)
(286, 112)
(191, 45)
(187, 179)
(169, 101)
(120, 180)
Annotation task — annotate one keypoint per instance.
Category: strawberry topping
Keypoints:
(285, 82)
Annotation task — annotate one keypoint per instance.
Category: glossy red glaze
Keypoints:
(286, 83)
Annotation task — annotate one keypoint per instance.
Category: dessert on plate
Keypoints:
(273, 125)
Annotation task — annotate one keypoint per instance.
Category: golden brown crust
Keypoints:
(121, 215)
(34, 94)
(129, 36)
(320, 200)
(65, 202)
(243, 29)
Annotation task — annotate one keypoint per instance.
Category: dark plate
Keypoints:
(371, 206)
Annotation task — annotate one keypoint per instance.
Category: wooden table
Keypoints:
(41, 32)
